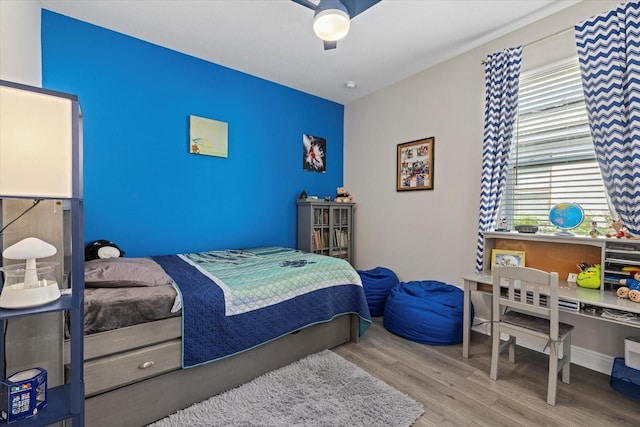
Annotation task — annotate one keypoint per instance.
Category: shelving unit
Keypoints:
(53, 132)
(547, 251)
(618, 254)
(561, 254)
(326, 228)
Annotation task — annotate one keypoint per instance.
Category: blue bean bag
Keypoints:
(377, 284)
(428, 312)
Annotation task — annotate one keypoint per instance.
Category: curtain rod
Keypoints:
(542, 39)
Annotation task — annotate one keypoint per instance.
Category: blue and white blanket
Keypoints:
(235, 300)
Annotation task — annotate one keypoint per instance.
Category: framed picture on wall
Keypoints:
(208, 137)
(314, 153)
(507, 258)
(415, 165)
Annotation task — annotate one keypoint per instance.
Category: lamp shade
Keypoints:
(331, 21)
(35, 144)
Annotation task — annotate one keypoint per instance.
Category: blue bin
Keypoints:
(625, 380)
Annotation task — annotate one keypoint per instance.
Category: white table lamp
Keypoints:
(30, 284)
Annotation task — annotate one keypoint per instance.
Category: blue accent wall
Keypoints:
(142, 188)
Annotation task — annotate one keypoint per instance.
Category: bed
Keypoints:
(168, 331)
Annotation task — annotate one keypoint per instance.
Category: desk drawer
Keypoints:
(125, 368)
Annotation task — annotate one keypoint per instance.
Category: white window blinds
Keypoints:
(552, 158)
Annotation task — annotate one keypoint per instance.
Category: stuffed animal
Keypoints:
(99, 249)
(618, 229)
(631, 288)
(589, 277)
(343, 195)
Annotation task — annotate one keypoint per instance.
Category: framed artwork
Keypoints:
(208, 137)
(314, 153)
(415, 165)
(507, 258)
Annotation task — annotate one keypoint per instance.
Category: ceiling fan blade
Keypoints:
(306, 3)
(330, 44)
(356, 7)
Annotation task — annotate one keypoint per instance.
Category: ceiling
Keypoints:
(273, 39)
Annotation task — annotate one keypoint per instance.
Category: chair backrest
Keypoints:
(540, 288)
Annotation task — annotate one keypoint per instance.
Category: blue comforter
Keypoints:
(235, 300)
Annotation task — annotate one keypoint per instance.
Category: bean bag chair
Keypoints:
(428, 312)
(377, 284)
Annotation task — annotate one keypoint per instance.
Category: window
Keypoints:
(552, 158)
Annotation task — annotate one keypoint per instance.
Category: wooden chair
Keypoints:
(534, 317)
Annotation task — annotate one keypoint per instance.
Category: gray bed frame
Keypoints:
(133, 375)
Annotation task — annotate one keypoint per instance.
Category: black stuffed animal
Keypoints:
(102, 249)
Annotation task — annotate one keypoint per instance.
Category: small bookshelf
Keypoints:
(326, 228)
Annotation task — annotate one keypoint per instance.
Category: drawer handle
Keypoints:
(146, 365)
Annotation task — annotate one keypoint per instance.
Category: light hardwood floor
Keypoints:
(458, 392)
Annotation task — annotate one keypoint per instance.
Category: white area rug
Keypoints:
(320, 390)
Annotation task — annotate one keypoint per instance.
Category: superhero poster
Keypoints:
(314, 153)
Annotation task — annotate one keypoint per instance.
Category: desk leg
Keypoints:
(466, 319)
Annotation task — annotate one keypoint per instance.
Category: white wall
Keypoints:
(20, 53)
(425, 235)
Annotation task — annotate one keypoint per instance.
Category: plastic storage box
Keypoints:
(625, 380)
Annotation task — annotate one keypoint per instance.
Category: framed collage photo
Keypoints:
(415, 165)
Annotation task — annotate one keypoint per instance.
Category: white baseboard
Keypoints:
(579, 356)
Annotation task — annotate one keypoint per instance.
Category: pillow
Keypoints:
(121, 272)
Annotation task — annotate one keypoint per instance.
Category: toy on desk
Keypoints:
(618, 229)
(502, 225)
(594, 229)
(621, 231)
(631, 288)
(589, 276)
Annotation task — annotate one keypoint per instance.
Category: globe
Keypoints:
(566, 216)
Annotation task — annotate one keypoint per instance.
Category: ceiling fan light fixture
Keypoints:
(331, 21)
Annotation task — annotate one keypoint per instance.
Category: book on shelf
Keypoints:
(320, 239)
(340, 217)
(340, 238)
(568, 305)
(320, 217)
(317, 240)
(344, 236)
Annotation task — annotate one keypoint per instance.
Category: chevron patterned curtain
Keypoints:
(609, 54)
(502, 74)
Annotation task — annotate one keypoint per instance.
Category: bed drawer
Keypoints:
(125, 368)
(118, 340)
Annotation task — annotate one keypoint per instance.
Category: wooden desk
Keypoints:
(568, 291)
